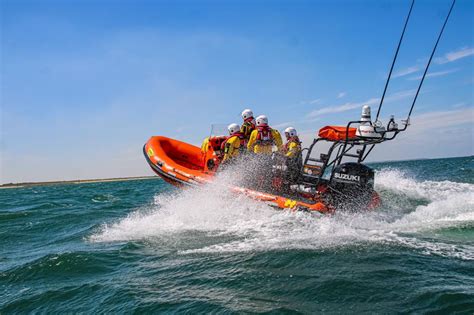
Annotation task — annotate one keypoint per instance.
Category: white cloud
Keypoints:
(448, 57)
(341, 94)
(442, 119)
(432, 134)
(283, 124)
(455, 55)
(434, 74)
(406, 71)
(310, 102)
(341, 108)
(400, 95)
(457, 105)
(349, 106)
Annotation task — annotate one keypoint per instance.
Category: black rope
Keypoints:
(394, 60)
(429, 61)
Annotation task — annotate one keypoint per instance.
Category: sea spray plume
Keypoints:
(446, 203)
(253, 171)
(397, 180)
(244, 171)
(212, 219)
(210, 208)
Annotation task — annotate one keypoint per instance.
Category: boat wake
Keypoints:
(428, 216)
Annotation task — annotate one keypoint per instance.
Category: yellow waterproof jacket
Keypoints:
(231, 148)
(247, 128)
(205, 145)
(292, 149)
(258, 148)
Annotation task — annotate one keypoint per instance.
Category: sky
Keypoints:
(84, 84)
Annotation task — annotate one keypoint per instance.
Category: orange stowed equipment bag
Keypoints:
(335, 133)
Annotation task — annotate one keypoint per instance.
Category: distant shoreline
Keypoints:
(119, 179)
(78, 181)
(422, 159)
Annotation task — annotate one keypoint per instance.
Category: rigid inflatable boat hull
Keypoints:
(182, 164)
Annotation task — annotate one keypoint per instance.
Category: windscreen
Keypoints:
(218, 130)
(321, 147)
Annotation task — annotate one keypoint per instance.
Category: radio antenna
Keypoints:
(429, 62)
(394, 60)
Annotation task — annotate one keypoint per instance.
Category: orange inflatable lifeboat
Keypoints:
(183, 164)
(177, 162)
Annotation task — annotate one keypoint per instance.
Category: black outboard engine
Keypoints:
(351, 186)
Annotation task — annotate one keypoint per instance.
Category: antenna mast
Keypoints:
(394, 60)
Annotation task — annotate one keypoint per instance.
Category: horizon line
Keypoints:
(116, 179)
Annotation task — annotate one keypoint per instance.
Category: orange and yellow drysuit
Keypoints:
(247, 127)
(292, 149)
(233, 146)
(263, 139)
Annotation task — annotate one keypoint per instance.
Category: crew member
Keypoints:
(261, 143)
(205, 145)
(263, 138)
(234, 144)
(214, 142)
(211, 152)
(248, 125)
(292, 151)
(292, 148)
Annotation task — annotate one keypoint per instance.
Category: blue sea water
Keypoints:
(143, 246)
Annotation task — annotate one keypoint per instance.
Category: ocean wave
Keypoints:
(104, 198)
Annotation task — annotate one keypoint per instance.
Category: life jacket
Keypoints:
(264, 135)
(216, 143)
(242, 138)
(243, 141)
(291, 140)
(295, 161)
(248, 126)
(250, 122)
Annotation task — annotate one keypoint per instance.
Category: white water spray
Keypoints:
(222, 221)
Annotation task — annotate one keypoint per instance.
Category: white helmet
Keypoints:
(247, 113)
(262, 120)
(291, 132)
(233, 128)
